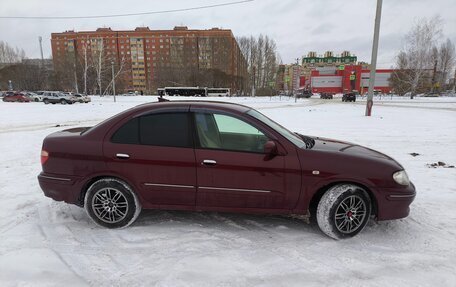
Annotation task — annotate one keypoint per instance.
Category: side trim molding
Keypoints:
(55, 178)
(401, 195)
(234, 189)
(169, 185)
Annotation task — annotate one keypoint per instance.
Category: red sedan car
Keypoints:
(212, 156)
(16, 97)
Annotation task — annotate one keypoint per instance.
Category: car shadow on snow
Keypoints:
(227, 221)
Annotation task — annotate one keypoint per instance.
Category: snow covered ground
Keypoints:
(47, 243)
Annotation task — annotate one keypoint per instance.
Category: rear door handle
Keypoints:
(122, 156)
(209, 162)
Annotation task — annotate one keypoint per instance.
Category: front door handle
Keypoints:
(122, 156)
(209, 162)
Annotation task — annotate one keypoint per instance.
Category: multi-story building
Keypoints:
(150, 59)
(287, 78)
(328, 59)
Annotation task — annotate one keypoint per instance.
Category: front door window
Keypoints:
(219, 131)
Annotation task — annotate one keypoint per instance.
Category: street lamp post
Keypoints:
(113, 81)
(370, 96)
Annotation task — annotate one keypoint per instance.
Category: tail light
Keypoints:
(44, 156)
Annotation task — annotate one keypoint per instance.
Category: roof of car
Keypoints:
(200, 104)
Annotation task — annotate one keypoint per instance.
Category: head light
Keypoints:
(401, 177)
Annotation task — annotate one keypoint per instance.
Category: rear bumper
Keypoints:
(394, 203)
(61, 187)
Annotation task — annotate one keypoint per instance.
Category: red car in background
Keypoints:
(16, 97)
(213, 156)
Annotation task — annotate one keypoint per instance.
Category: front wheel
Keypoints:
(63, 102)
(111, 203)
(343, 211)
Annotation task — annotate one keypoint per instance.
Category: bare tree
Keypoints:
(262, 61)
(8, 54)
(120, 70)
(414, 62)
(446, 60)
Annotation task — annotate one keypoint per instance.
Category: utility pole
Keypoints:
(113, 81)
(434, 71)
(40, 39)
(75, 77)
(253, 83)
(454, 82)
(370, 102)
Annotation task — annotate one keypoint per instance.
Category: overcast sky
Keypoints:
(297, 26)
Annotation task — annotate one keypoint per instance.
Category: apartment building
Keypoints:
(147, 59)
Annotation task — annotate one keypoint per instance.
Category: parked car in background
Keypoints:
(34, 97)
(16, 97)
(301, 93)
(349, 97)
(214, 156)
(131, 93)
(326, 96)
(58, 98)
(81, 98)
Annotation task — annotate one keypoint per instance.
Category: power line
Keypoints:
(124, 15)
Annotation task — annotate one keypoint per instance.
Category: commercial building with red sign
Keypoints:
(345, 78)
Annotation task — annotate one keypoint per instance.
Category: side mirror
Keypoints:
(270, 148)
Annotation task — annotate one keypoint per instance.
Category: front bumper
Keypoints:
(61, 187)
(394, 203)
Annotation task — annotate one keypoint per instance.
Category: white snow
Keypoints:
(48, 243)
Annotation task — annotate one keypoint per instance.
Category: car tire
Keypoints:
(36, 100)
(343, 211)
(63, 102)
(46, 101)
(111, 203)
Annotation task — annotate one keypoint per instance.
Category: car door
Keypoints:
(155, 151)
(233, 171)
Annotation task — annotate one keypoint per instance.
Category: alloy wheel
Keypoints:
(110, 205)
(350, 214)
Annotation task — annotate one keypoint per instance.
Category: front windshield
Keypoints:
(280, 129)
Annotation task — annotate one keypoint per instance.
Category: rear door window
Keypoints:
(168, 129)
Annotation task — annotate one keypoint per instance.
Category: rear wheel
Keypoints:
(36, 100)
(111, 203)
(343, 211)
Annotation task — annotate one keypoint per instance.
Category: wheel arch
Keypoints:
(316, 197)
(94, 179)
